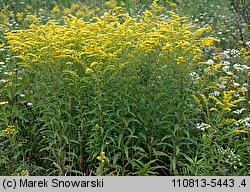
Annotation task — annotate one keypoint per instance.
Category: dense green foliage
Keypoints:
(124, 88)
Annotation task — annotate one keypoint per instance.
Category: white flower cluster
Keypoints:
(239, 111)
(29, 104)
(222, 85)
(202, 126)
(230, 53)
(235, 52)
(226, 68)
(225, 54)
(239, 67)
(215, 93)
(194, 77)
(230, 157)
(244, 87)
(210, 61)
(194, 74)
(243, 122)
(225, 62)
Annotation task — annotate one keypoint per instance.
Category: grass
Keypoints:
(123, 88)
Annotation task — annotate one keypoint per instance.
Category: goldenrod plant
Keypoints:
(120, 88)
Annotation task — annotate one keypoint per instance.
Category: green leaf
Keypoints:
(188, 158)
(126, 151)
(119, 141)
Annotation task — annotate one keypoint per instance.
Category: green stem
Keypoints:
(10, 158)
(99, 102)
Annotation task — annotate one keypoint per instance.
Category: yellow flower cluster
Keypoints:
(240, 131)
(201, 101)
(23, 173)
(3, 102)
(4, 19)
(9, 130)
(227, 102)
(208, 41)
(56, 10)
(102, 157)
(171, 4)
(108, 42)
(245, 52)
(20, 15)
